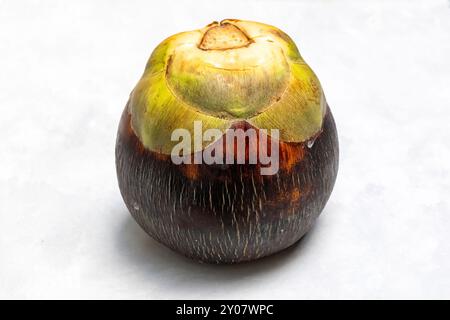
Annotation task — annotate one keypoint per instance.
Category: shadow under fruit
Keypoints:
(240, 75)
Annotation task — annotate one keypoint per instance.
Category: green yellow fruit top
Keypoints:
(226, 72)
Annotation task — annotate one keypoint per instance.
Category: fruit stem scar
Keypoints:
(224, 36)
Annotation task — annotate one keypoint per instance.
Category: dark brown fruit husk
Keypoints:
(227, 213)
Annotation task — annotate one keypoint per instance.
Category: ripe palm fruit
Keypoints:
(239, 75)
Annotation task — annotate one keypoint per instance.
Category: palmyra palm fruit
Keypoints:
(229, 75)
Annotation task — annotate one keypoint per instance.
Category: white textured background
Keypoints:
(66, 69)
